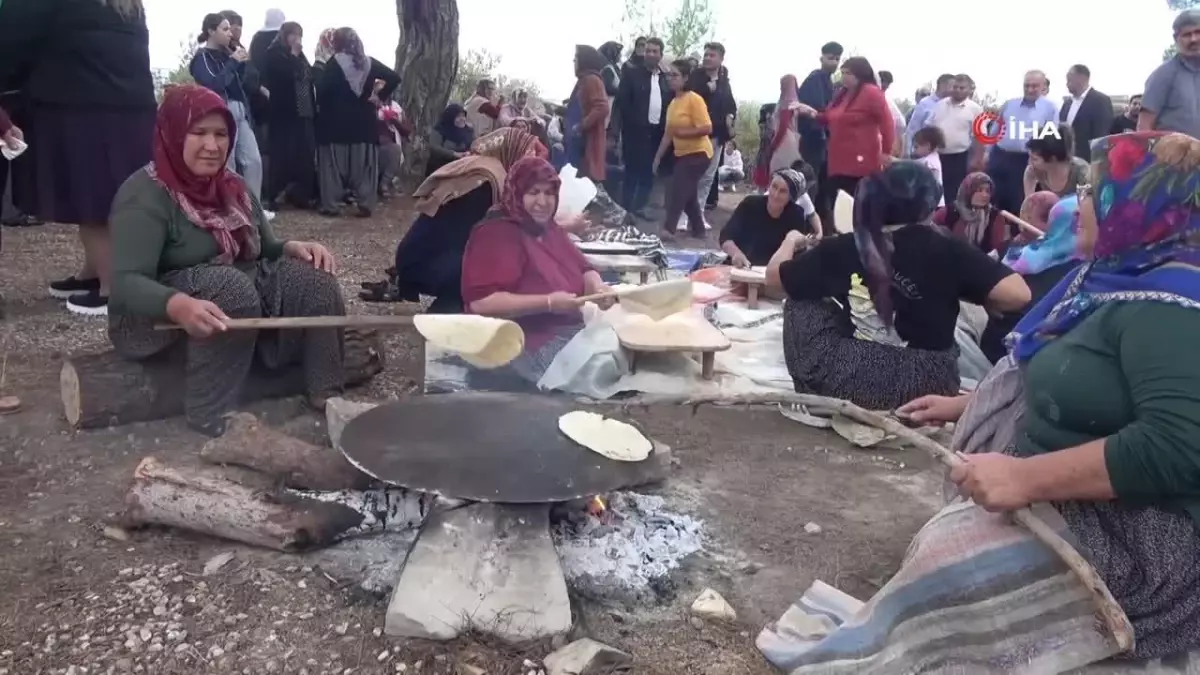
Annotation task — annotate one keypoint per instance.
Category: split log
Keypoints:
(249, 443)
(222, 504)
(105, 390)
(1110, 611)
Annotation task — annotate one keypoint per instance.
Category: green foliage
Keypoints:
(478, 64)
(905, 105)
(1170, 52)
(745, 129)
(180, 74)
(683, 32)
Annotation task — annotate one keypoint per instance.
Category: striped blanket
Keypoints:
(976, 594)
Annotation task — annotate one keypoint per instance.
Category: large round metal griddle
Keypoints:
(484, 447)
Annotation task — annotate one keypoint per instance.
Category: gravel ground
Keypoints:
(83, 597)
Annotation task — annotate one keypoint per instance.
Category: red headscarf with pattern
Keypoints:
(220, 203)
(522, 176)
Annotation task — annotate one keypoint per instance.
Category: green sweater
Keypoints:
(1129, 374)
(152, 236)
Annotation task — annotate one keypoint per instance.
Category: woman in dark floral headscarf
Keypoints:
(972, 216)
(915, 274)
(1093, 420)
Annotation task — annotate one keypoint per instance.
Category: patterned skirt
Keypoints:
(824, 358)
(217, 366)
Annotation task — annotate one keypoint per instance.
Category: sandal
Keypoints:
(9, 405)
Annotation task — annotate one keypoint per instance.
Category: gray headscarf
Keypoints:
(275, 19)
(795, 182)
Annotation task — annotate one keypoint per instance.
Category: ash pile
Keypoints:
(630, 550)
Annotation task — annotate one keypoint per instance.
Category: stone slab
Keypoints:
(485, 567)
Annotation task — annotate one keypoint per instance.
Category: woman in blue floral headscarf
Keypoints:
(1094, 418)
(916, 275)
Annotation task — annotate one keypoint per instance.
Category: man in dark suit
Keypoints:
(1088, 112)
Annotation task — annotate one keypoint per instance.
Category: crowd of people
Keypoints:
(1091, 286)
(318, 135)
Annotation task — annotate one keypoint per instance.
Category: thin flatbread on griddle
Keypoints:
(607, 437)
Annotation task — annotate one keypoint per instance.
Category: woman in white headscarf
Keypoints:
(264, 37)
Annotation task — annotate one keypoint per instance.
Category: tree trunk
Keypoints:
(249, 443)
(427, 60)
(105, 390)
(232, 506)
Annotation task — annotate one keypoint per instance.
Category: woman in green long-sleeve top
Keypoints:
(192, 246)
(1093, 420)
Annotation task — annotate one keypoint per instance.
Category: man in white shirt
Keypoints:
(955, 116)
(732, 169)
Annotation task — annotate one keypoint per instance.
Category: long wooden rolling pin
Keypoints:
(348, 321)
(1111, 614)
(1025, 227)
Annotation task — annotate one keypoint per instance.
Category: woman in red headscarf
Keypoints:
(191, 245)
(520, 265)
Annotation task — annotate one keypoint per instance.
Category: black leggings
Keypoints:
(681, 195)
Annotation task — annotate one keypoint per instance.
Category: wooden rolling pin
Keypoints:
(1025, 227)
(348, 321)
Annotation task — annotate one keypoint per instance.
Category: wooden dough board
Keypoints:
(754, 275)
(684, 332)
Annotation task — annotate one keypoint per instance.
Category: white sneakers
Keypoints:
(682, 226)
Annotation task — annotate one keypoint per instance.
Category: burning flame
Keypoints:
(596, 506)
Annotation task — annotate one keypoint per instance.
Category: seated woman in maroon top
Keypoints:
(972, 217)
(520, 265)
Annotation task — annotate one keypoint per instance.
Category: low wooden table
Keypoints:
(622, 264)
(754, 279)
(686, 333)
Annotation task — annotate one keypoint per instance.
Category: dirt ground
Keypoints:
(81, 600)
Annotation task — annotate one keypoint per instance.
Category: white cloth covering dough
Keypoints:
(608, 437)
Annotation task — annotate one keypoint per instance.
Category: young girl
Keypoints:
(926, 144)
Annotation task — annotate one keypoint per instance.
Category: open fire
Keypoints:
(623, 546)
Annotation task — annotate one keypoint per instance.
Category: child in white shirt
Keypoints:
(926, 143)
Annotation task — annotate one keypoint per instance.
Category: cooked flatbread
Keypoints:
(481, 341)
(608, 437)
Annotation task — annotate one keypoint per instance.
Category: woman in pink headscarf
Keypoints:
(784, 148)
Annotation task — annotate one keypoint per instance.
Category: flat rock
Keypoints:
(710, 605)
(587, 657)
(486, 567)
(338, 413)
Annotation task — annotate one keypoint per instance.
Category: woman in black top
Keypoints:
(916, 275)
(290, 111)
(220, 64)
(90, 119)
(347, 147)
(760, 223)
(449, 139)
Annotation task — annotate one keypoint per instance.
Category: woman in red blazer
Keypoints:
(861, 128)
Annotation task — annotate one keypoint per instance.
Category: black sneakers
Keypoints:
(88, 304)
(70, 287)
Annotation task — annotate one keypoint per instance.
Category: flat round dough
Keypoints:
(481, 341)
(604, 436)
